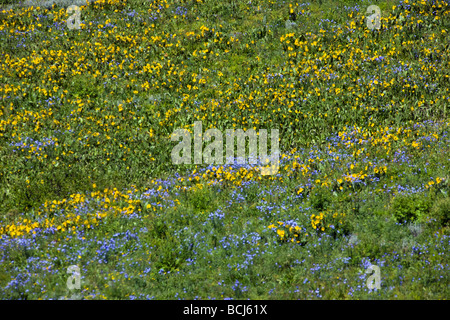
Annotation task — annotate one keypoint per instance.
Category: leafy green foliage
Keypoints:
(441, 211)
(410, 208)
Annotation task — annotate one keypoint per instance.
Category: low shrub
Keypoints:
(410, 207)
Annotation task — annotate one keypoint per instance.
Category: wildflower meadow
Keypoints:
(92, 205)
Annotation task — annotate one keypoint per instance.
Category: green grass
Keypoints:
(87, 179)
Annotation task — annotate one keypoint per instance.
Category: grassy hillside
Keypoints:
(87, 179)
